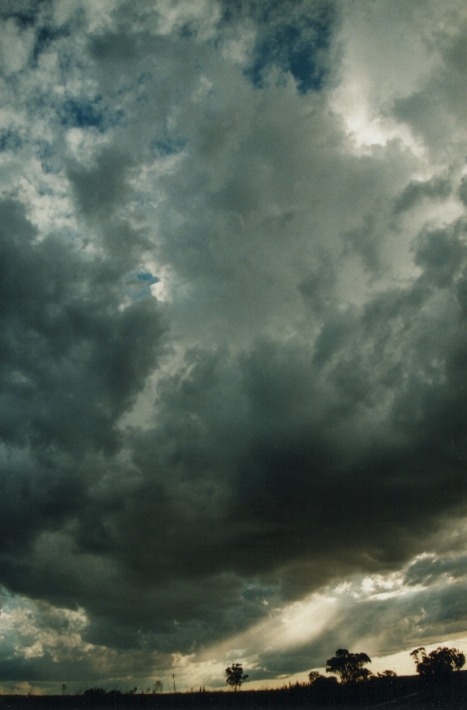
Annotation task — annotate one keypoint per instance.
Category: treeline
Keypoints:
(350, 667)
(438, 684)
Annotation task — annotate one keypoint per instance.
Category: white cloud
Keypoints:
(16, 47)
(202, 14)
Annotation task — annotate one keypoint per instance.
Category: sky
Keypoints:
(233, 338)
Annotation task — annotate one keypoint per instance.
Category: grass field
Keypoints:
(400, 693)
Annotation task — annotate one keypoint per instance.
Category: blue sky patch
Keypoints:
(147, 278)
(138, 284)
(294, 50)
(23, 16)
(168, 146)
(82, 114)
(9, 140)
(44, 37)
(294, 42)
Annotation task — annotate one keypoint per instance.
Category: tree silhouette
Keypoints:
(94, 693)
(348, 666)
(158, 686)
(438, 663)
(235, 675)
(313, 676)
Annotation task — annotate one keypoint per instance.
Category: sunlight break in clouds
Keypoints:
(349, 610)
(233, 279)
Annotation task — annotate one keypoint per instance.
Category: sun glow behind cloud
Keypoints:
(310, 627)
(365, 125)
(334, 612)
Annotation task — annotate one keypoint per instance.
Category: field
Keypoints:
(404, 693)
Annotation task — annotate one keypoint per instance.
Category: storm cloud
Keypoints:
(233, 345)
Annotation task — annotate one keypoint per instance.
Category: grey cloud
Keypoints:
(286, 469)
(72, 364)
(437, 107)
(441, 253)
(384, 625)
(99, 190)
(431, 568)
(436, 188)
(259, 464)
(463, 190)
(67, 350)
(11, 670)
(431, 615)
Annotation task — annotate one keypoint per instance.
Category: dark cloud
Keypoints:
(100, 189)
(69, 353)
(414, 192)
(429, 568)
(463, 190)
(72, 363)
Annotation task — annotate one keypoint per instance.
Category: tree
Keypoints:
(438, 663)
(313, 676)
(235, 675)
(158, 687)
(348, 666)
(387, 674)
(94, 693)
